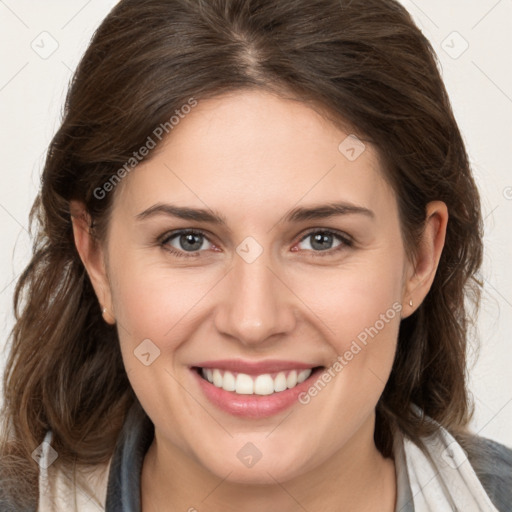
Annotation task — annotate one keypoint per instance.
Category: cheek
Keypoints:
(156, 303)
(360, 317)
(358, 308)
(359, 297)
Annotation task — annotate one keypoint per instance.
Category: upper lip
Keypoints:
(255, 367)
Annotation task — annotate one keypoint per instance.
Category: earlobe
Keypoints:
(108, 316)
(91, 254)
(427, 256)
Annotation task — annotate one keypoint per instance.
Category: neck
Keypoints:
(356, 477)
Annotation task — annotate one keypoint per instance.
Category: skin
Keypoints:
(251, 157)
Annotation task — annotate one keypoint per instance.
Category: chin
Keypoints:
(265, 471)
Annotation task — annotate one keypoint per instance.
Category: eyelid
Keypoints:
(174, 233)
(341, 234)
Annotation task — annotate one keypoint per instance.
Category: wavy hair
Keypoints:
(365, 64)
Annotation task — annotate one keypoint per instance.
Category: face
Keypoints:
(268, 282)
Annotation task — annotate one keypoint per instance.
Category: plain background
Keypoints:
(41, 43)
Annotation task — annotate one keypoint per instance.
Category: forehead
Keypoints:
(253, 151)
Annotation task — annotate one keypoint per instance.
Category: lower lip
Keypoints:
(253, 406)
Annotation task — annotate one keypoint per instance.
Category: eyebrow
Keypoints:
(296, 215)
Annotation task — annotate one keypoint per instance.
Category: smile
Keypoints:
(254, 390)
(263, 384)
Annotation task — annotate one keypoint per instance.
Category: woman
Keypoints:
(257, 231)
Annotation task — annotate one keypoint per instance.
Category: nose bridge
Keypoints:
(257, 304)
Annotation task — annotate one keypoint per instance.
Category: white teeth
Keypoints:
(264, 384)
(303, 375)
(217, 378)
(291, 381)
(244, 385)
(228, 382)
(280, 382)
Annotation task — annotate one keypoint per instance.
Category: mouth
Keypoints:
(263, 384)
(254, 395)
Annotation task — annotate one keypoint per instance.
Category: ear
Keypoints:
(422, 270)
(92, 255)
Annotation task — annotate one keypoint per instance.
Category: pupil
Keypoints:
(320, 239)
(189, 239)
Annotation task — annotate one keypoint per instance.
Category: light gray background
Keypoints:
(33, 82)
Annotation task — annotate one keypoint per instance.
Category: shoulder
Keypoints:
(492, 463)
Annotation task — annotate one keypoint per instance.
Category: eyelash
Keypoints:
(345, 239)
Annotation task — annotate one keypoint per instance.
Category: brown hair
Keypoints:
(367, 65)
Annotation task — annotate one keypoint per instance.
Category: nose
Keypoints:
(258, 305)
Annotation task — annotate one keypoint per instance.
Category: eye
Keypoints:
(187, 241)
(324, 241)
